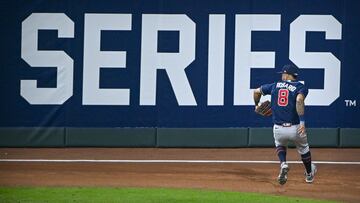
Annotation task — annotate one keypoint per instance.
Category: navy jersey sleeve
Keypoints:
(267, 88)
(303, 90)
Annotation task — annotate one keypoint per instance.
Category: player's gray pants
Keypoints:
(283, 135)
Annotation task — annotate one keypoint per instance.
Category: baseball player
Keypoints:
(287, 109)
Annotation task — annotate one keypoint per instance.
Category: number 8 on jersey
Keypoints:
(283, 97)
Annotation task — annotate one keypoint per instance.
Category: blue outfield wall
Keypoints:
(172, 67)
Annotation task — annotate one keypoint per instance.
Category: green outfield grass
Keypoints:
(92, 194)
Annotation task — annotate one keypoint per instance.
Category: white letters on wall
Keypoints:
(216, 60)
(173, 63)
(324, 60)
(94, 59)
(245, 59)
(41, 58)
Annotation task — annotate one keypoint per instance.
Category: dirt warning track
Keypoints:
(333, 181)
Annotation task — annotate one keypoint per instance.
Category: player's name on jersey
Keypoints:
(286, 85)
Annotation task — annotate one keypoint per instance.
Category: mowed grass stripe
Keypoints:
(94, 194)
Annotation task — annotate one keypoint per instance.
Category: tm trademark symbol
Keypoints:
(350, 103)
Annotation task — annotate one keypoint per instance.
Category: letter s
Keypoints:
(325, 60)
(40, 58)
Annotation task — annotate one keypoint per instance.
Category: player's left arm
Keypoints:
(300, 109)
(257, 97)
(262, 90)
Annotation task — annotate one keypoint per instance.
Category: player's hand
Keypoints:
(264, 109)
(302, 130)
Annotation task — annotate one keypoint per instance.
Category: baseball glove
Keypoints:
(264, 109)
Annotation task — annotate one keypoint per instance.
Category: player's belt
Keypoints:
(284, 124)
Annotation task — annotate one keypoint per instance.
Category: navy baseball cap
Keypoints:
(290, 69)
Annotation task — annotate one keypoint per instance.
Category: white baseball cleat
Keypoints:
(284, 169)
(309, 178)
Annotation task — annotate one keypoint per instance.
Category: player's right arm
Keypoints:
(300, 109)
